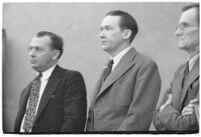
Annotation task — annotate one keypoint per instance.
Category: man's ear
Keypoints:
(127, 34)
(56, 54)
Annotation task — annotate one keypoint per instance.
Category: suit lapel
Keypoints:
(97, 88)
(49, 89)
(125, 63)
(178, 87)
(193, 74)
(25, 97)
(22, 108)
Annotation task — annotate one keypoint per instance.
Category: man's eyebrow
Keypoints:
(106, 26)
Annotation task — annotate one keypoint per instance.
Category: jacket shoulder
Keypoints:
(144, 60)
(67, 72)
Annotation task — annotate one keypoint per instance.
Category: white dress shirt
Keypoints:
(44, 79)
(119, 56)
(192, 61)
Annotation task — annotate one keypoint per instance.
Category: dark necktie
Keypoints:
(185, 74)
(108, 69)
(32, 104)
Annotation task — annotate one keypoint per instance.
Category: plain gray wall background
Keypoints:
(78, 24)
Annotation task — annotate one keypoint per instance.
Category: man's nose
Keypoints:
(178, 32)
(32, 53)
(102, 34)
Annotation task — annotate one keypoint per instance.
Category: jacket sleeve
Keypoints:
(173, 120)
(158, 125)
(170, 119)
(146, 93)
(75, 104)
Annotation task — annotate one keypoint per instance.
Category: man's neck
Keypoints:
(48, 67)
(192, 50)
(192, 54)
(122, 47)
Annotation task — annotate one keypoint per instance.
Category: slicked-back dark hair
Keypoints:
(126, 22)
(194, 5)
(56, 40)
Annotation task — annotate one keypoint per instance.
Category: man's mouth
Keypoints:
(33, 61)
(104, 41)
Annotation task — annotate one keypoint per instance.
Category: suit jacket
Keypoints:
(127, 98)
(170, 118)
(62, 106)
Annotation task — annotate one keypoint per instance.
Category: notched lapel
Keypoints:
(22, 107)
(125, 63)
(97, 88)
(49, 89)
(178, 87)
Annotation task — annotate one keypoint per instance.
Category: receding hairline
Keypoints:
(195, 7)
(188, 7)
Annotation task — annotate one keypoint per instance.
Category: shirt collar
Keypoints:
(46, 74)
(118, 57)
(121, 54)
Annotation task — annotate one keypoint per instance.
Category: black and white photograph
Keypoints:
(117, 67)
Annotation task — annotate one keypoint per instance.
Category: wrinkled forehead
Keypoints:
(190, 17)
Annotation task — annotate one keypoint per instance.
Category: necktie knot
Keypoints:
(110, 64)
(40, 75)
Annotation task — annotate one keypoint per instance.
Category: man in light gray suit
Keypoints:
(128, 89)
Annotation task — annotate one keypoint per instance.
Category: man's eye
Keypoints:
(108, 28)
(182, 26)
(37, 49)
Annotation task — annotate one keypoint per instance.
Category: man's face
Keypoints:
(111, 34)
(42, 56)
(188, 31)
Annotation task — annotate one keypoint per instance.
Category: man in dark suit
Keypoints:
(178, 110)
(124, 99)
(55, 101)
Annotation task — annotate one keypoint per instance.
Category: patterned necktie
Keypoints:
(32, 104)
(108, 69)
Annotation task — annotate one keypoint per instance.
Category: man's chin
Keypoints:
(35, 67)
(104, 47)
(181, 45)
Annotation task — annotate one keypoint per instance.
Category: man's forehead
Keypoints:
(189, 16)
(110, 20)
(39, 41)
